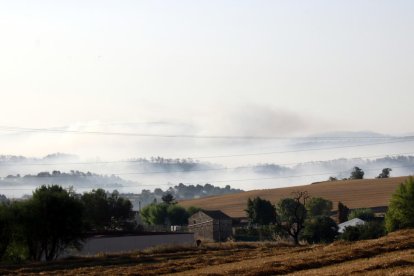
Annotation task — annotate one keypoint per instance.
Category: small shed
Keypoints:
(352, 222)
(210, 225)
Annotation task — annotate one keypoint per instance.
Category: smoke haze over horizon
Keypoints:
(81, 77)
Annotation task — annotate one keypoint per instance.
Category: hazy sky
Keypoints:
(205, 67)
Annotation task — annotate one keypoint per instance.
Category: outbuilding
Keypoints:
(352, 222)
(210, 225)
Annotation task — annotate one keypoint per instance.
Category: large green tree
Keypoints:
(5, 228)
(50, 222)
(162, 214)
(291, 215)
(107, 211)
(177, 215)
(400, 212)
(260, 211)
(97, 216)
(320, 229)
(155, 214)
(120, 212)
(318, 206)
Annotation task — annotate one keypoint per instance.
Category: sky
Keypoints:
(266, 68)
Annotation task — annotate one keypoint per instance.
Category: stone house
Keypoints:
(210, 226)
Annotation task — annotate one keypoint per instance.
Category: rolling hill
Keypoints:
(353, 193)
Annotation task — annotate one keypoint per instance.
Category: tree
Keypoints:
(320, 229)
(365, 214)
(105, 211)
(385, 173)
(50, 222)
(357, 173)
(168, 199)
(3, 199)
(177, 215)
(400, 212)
(96, 216)
(192, 210)
(343, 212)
(155, 214)
(291, 215)
(5, 228)
(260, 211)
(318, 206)
(120, 212)
(369, 230)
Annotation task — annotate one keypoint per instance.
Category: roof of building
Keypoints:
(216, 214)
(352, 222)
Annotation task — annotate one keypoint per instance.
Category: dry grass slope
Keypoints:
(390, 255)
(354, 193)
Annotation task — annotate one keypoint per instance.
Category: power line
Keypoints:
(217, 156)
(302, 150)
(247, 137)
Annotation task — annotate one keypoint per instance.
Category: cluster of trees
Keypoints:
(42, 227)
(170, 164)
(298, 217)
(73, 178)
(303, 218)
(358, 173)
(180, 191)
(167, 212)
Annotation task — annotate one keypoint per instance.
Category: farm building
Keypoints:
(210, 225)
(352, 222)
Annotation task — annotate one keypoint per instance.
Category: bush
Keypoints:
(369, 230)
(320, 229)
(261, 233)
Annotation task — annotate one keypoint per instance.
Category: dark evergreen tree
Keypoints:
(343, 212)
(260, 211)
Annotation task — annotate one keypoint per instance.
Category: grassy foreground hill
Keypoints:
(353, 193)
(390, 255)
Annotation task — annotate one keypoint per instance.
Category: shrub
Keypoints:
(369, 230)
(320, 229)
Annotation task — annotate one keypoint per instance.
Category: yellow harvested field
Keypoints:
(390, 255)
(353, 193)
